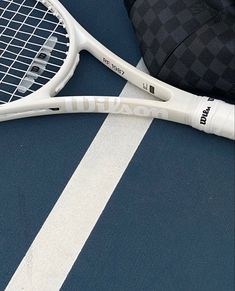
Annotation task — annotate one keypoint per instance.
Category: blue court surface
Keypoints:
(99, 202)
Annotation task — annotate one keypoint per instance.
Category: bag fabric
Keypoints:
(189, 44)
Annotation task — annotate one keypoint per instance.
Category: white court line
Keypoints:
(64, 233)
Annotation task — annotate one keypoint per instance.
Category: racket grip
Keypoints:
(215, 117)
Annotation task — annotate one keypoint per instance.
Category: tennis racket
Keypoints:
(40, 46)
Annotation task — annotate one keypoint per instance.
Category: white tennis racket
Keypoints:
(39, 51)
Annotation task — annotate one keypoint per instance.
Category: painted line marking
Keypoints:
(55, 249)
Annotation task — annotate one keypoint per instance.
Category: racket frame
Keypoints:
(175, 105)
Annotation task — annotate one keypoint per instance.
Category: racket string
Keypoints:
(19, 78)
(28, 58)
(34, 45)
(32, 17)
(27, 6)
(23, 71)
(8, 94)
(12, 39)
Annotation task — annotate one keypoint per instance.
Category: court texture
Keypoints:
(96, 202)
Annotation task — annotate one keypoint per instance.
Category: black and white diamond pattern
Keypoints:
(189, 43)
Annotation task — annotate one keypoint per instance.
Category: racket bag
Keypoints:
(189, 44)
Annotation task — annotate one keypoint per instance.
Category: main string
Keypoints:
(33, 47)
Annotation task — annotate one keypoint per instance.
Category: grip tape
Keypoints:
(215, 117)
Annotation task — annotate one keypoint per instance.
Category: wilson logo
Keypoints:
(204, 116)
(113, 105)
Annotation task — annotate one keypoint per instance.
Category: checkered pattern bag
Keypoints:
(188, 43)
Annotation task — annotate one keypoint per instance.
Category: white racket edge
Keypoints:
(203, 113)
(207, 114)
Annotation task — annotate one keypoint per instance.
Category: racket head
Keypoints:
(41, 45)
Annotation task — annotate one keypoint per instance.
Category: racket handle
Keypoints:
(214, 116)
